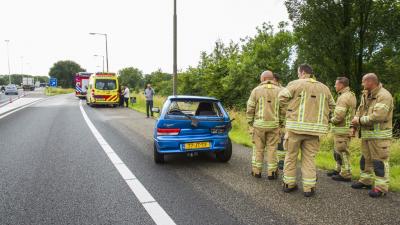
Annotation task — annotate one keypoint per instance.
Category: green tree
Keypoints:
(131, 77)
(65, 71)
(160, 81)
(343, 38)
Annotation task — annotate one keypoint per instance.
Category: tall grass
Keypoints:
(324, 160)
(50, 91)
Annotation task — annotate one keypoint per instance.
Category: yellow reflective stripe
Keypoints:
(366, 175)
(382, 106)
(266, 124)
(269, 86)
(340, 130)
(261, 108)
(380, 181)
(348, 117)
(312, 127)
(321, 108)
(339, 108)
(377, 134)
(289, 180)
(272, 166)
(311, 181)
(302, 107)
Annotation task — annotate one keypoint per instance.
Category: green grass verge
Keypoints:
(324, 160)
(51, 91)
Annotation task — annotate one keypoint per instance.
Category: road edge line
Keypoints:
(153, 208)
(20, 108)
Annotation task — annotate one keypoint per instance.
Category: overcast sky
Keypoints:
(42, 32)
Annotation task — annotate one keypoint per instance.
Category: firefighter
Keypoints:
(307, 104)
(280, 151)
(341, 129)
(374, 118)
(263, 119)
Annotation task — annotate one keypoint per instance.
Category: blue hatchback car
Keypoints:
(192, 124)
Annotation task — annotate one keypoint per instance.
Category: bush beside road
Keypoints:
(51, 91)
(324, 159)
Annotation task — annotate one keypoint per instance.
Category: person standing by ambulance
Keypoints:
(263, 119)
(374, 118)
(149, 94)
(306, 104)
(126, 95)
(341, 128)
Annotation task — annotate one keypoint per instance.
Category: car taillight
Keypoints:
(168, 131)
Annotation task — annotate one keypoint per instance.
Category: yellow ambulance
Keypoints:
(103, 89)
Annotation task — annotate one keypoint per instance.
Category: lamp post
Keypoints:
(103, 59)
(105, 36)
(175, 63)
(8, 60)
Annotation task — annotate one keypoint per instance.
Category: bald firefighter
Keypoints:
(341, 128)
(263, 119)
(306, 103)
(374, 117)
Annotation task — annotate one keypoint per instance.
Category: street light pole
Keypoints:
(175, 63)
(8, 59)
(105, 36)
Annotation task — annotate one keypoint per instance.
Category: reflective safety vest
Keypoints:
(375, 114)
(344, 112)
(263, 106)
(306, 104)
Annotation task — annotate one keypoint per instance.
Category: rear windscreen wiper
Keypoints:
(195, 122)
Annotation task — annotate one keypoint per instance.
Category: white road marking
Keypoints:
(22, 107)
(156, 212)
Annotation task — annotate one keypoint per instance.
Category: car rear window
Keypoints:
(104, 84)
(194, 108)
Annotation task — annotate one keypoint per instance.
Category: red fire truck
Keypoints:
(81, 84)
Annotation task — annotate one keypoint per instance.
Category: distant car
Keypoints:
(11, 89)
(192, 124)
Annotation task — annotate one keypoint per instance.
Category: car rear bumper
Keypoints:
(174, 145)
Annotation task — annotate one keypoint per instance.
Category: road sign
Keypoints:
(53, 82)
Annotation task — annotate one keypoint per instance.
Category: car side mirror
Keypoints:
(155, 110)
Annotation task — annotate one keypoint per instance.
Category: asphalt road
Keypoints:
(54, 171)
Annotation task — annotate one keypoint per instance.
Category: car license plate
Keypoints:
(197, 145)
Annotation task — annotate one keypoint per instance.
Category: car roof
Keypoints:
(190, 97)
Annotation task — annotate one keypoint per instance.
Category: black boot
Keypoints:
(375, 193)
(274, 176)
(281, 163)
(359, 185)
(309, 193)
(287, 188)
(332, 173)
(256, 175)
(340, 178)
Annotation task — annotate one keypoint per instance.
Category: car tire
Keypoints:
(158, 157)
(225, 155)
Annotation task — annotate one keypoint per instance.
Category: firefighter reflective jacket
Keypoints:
(263, 106)
(307, 104)
(375, 114)
(344, 112)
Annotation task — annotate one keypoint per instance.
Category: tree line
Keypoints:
(17, 79)
(337, 38)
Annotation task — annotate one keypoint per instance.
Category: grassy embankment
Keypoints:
(324, 158)
(50, 91)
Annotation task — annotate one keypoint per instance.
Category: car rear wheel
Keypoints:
(225, 155)
(158, 157)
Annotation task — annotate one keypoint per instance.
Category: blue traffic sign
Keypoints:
(53, 82)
